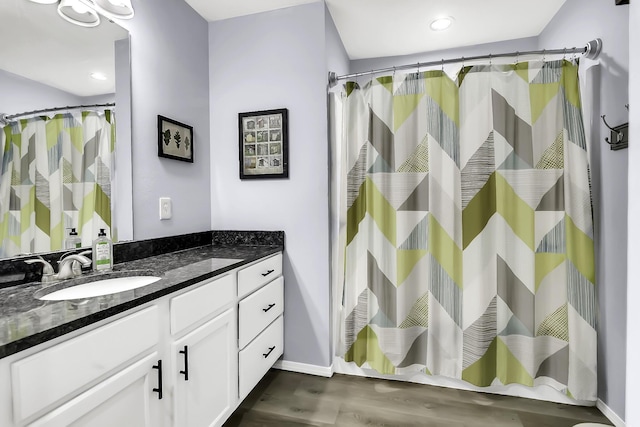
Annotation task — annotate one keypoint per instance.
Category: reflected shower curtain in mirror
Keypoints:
(56, 174)
(468, 227)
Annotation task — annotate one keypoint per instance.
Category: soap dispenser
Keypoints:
(102, 252)
(73, 241)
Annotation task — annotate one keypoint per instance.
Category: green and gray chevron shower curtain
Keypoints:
(56, 174)
(469, 238)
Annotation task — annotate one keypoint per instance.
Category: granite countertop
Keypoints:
(26, 321)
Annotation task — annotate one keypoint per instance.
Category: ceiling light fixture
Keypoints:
(78, 13)
(441, 24)
(86, 13)
(118, 9)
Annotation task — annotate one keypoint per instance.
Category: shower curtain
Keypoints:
(465, 239)
(55, 175)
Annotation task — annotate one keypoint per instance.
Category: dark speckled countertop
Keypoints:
(26, 321)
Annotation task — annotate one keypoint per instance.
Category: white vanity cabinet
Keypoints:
(205, 373)
(90, 379)
(204, 366)
(186, 359)
(126, 398)
(260, 323)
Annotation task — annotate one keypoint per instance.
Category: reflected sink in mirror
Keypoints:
(94, 286)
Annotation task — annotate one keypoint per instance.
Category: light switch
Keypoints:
(165, 208)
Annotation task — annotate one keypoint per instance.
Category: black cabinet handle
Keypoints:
(185, 351)
(159, 389)
(268, 352)
(267, 273)
(269, 307)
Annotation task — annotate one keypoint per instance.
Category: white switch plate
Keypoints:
(165, 208)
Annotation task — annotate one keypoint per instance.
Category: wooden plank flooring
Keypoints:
(287, 399)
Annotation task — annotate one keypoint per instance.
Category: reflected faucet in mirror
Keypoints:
(68, 266)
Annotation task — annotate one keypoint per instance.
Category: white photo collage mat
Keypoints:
(262, 137)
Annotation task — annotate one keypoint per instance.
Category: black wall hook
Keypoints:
(619, 134)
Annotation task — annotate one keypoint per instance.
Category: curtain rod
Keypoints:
(591, 50)
(5, 118)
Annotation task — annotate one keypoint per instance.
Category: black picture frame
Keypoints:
(175, 140)
(263, 144)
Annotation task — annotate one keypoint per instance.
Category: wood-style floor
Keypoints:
(286, 399)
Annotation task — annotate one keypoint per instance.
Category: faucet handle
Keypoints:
(47, 269)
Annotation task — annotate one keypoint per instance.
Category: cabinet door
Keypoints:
(80, 362)
(205, 373)
(125, 399)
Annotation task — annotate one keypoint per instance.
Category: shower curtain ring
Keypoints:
(517, 57)
(490, 60)
(442, 65)
(544, 55)
(564, 53)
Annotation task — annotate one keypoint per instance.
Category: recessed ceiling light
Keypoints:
(441, 24)
(98, 76)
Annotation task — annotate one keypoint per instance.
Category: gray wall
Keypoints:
(266, 61)
(338, 62)
(169, 69)
(632, 417)
(20, 94)
(337, 58)
(518, 45)
(577, 22)
(123, 204)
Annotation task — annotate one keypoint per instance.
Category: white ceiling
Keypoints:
(63, 55)
(39, 45)
(379, 28)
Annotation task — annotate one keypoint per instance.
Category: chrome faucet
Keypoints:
(68, 266)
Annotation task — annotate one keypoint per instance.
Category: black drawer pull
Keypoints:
(267, 273)
(186, 363)
(159, 389)
(269, 352)
(269, 308)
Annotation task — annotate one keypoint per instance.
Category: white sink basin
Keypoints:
(100, 287)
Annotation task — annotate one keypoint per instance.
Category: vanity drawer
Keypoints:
(256, 359)
(197, 304)
(251, 278)
(50, 375)
(259, 309)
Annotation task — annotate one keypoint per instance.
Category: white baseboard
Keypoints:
(607, 412)
(303, 368)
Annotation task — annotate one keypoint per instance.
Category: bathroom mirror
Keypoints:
(47, 62)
